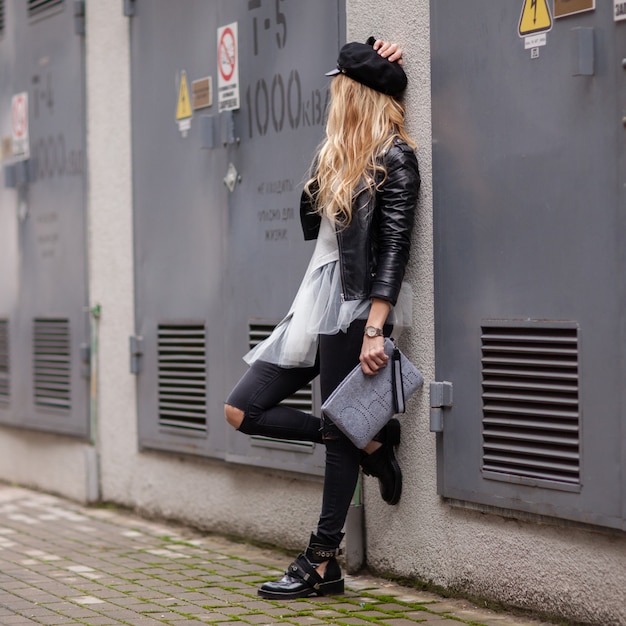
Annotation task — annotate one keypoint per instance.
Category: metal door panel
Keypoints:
(266, 254)
(528, 232)
(206, 256)
(177, 199)
(45, 213)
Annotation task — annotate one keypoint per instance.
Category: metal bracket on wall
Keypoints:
(130, 7)
(79, 17)
(10, 177)
(19, 174)
(207, 132)
(227, 128)
(584, 58)
(136, 352)
(440, 399)
(26, 172)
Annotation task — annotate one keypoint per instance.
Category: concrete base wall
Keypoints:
(49, 462)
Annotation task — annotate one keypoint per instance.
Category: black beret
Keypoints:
(362, 63)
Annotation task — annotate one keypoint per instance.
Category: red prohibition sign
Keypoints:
(19, 116)
(227, 54)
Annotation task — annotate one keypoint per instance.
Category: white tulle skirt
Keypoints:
(319, 309)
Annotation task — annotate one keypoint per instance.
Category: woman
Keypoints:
(359, 205)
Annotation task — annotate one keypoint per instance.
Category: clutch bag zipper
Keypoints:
(397, 388)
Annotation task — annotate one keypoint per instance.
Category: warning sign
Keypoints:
(535, 18)
(183, 110)
(202, 93)
(6, 147)
(19, 126)
(563, 8)
(227, 68)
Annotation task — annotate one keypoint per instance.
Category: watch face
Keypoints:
(370, 331)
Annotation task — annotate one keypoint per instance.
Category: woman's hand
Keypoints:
(388, 50)
(373, 355)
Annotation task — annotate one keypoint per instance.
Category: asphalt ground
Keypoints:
(63, 563)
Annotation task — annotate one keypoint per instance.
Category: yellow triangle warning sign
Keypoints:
(535, 18)
(183, 110)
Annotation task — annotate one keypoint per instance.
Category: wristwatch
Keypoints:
(372, 331)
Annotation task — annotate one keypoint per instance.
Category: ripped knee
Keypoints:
(233, 415)
(330, 432)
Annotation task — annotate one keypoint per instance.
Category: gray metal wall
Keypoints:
(216, 267)
(529, 189)
(43, 291)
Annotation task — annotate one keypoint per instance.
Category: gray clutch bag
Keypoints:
(361, 405)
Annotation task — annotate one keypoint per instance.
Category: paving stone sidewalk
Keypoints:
(61, 563)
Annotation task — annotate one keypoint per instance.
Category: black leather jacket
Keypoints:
(374, 248)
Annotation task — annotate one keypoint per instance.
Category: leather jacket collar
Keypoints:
(374, 247)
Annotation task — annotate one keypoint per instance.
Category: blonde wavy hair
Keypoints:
(362, 124)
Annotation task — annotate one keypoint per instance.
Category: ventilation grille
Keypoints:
(182, 376)
(52, 363)
(1, 16)
(35, 7)
(530, 403)
(301, 400)
(4, 360)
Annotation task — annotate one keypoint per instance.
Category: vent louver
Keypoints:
(530, 403)
(35, 7)
(301, 400)
(4, 360)
(182, 376)
(52, 363)
(1, 16)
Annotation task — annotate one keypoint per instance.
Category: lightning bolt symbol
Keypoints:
(533, 5)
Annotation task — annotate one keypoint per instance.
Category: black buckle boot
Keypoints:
(383, 464)
(301, 579)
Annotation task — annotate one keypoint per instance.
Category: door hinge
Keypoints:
(79, 17)
(130, 7)
(136, 352)
(440, 399)
(85, 360)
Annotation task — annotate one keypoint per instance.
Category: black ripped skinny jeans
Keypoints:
(264, 385)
